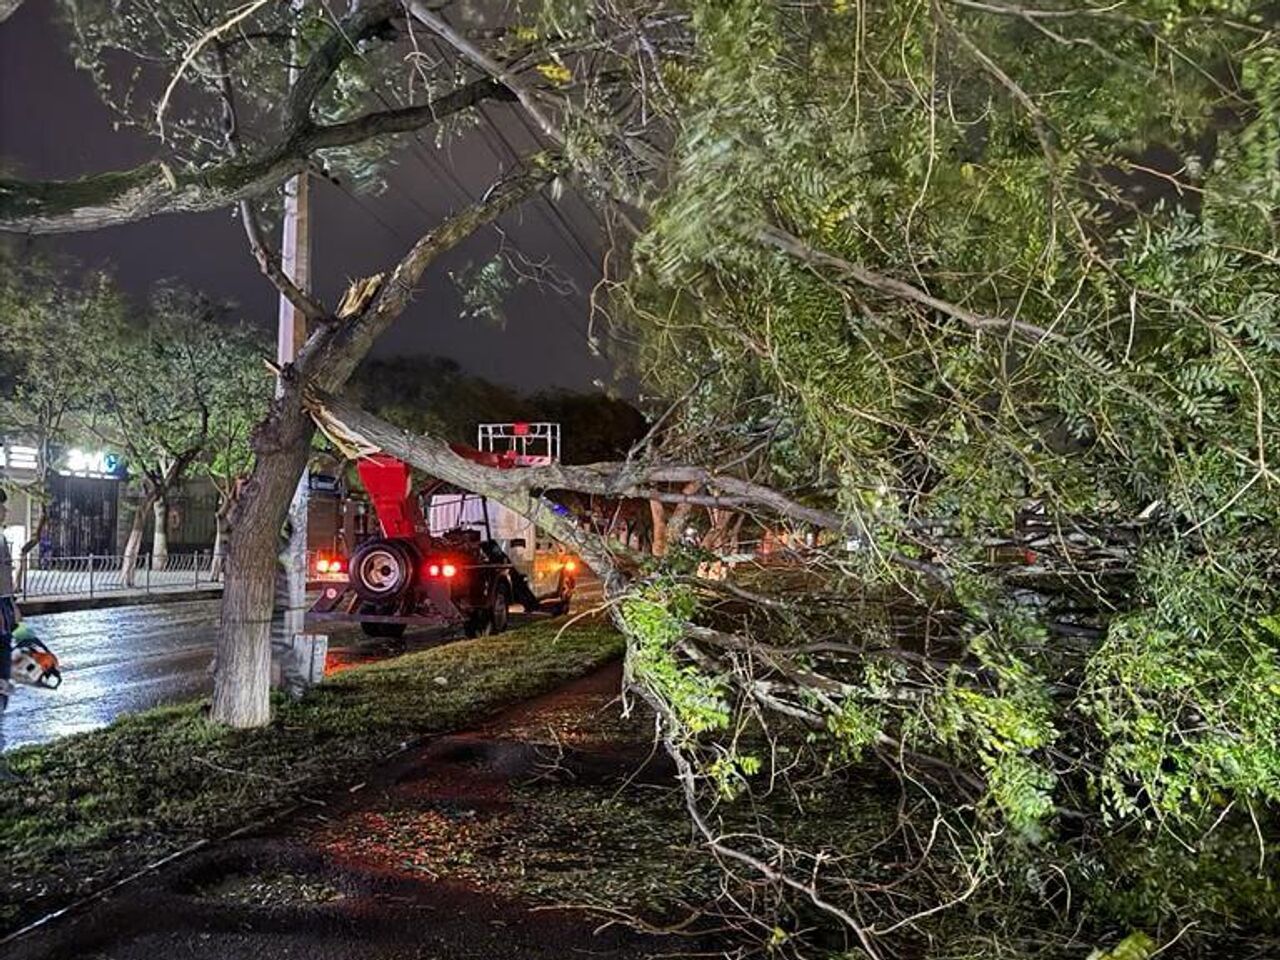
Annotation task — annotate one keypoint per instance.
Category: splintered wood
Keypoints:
(359, 295)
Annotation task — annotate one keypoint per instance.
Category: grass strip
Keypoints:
(95, 807)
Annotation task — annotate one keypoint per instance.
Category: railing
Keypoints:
(96, 576)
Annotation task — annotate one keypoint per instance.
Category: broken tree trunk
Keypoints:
(355, 431)
(281, 446)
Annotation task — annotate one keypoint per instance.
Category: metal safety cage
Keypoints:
(532, 444)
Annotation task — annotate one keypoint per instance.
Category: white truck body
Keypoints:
(539, 559)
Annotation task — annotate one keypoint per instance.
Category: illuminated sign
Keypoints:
(91, 463)
(18, 458)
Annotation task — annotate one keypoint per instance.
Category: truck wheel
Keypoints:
(381, 570)
(491, 619)
(392, 631)
(500, 610)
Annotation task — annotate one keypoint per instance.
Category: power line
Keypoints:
(444, 171)
(369, 211)
(490, 127)
(556, 219)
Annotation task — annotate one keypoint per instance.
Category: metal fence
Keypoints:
(98, 576)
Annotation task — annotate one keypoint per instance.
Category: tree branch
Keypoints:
(341, 42)
(357, 431)
(125, 196)
(268, 263)
(793, 246)
(487, 65)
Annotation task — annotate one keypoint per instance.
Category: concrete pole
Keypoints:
(292, 334)
(295, 260)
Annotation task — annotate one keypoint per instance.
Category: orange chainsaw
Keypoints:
(33, 662)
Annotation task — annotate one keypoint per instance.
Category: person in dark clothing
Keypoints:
(10, 617)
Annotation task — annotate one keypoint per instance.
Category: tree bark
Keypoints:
(659, 514)
(160, 533)
(242, 680)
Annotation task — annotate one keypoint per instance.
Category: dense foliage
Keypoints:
(173, 384)
(999, 283)
(47, 389)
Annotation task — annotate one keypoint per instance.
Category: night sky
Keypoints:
(53, 126)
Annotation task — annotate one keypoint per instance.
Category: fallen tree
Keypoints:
(977, 301)
(807, 659)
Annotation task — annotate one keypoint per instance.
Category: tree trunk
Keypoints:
(241, 688)
(133, 545)
(281, 447)
(160, 536)
(658, 543)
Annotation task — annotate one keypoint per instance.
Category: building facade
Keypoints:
(89, 500)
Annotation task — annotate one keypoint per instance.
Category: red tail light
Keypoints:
(441, 568)
(570, 566)
(323, 565)
(335, 566)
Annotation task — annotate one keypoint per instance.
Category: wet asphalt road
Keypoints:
(115, 661)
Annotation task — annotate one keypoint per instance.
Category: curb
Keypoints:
(35, 607)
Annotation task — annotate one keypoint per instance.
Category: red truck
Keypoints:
(460, 562)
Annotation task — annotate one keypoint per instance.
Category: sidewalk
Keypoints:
(483, 845)
(60, 584)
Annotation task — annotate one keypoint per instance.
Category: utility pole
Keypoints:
(295, 261)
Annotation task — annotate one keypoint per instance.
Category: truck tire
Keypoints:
(492, 618)
(382, 570)
(500, 609)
